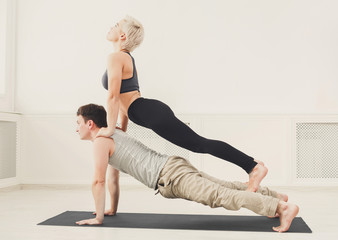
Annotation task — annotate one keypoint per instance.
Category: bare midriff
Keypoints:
(126, 99)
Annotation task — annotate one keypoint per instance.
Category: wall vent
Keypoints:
(8, 141)
(317, 150)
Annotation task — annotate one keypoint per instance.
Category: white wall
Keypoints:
(3, 25)
(7, 55)
(213, 56)
(211, 61)
(53, 153)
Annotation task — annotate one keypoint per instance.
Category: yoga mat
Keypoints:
(179, 221)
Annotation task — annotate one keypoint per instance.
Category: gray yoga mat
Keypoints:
(179, 221)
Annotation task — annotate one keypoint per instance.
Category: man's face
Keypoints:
(82, 128)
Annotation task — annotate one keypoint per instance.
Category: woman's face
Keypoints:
(115, 33)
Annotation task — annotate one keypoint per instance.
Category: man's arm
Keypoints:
(101, 156)
(114, 189)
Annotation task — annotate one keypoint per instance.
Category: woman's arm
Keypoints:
(124, 121)
(114, 72)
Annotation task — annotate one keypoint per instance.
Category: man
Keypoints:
(173, 176)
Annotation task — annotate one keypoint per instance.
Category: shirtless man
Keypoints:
(172, 176)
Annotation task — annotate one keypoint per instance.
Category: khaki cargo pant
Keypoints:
(179, 179)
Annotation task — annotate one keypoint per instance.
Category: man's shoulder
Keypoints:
(101, 142)
(122, 137)
(119, 132)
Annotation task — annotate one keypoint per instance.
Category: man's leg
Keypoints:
(239, 185)
(179, 179)
(192, 186)
(243, 187)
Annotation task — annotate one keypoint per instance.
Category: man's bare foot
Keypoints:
(283, 197)
(256, 176)
(287, 212)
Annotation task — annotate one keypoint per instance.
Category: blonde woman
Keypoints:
(124, 98)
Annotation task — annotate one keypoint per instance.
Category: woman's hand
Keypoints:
(92, 221)
(105, 132)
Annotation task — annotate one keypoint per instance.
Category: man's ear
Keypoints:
(90, 124)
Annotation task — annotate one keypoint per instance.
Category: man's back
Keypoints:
(134, 158)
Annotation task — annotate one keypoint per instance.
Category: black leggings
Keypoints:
(160, 118)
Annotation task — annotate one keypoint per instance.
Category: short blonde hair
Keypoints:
(134, 33)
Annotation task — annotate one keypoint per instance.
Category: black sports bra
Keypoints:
(127, 85)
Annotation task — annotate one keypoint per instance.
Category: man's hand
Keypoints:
(108, 212)
(92, 221)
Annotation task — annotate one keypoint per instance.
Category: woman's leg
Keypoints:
(160, 118)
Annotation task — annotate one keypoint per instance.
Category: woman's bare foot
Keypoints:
(256, 176)
(287, 212)
(259, 162)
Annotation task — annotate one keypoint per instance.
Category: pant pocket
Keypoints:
(164, 187)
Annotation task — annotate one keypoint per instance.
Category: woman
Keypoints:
(124, 98)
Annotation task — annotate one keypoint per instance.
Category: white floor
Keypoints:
(22, 207)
